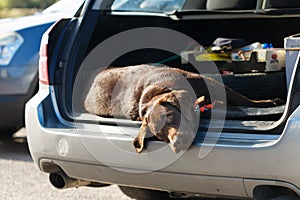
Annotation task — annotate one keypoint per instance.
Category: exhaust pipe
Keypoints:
(61, 181)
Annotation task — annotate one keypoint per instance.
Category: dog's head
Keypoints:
(171, 118)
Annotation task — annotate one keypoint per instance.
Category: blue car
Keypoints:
(19, 46)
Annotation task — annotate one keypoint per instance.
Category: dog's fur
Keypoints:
(161, 97)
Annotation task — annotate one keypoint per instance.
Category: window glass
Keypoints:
(147, 5)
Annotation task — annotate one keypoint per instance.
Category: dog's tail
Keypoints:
(232, 97)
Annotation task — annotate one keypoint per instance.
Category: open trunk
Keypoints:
(251, 79)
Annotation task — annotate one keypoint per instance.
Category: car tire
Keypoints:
(7, 133)
(287, 197)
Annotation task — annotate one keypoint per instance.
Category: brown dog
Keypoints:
(161, 97)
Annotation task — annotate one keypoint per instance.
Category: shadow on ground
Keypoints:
(15, 148)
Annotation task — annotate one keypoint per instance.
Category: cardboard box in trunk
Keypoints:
(291, 55)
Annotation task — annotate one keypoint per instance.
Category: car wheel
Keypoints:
(7, 133)
(287, 197)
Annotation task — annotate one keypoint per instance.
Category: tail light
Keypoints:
(43, 65)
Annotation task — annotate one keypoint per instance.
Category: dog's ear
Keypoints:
(181, 100)
(138, 142)
(149, 93)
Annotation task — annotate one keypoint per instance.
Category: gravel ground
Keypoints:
(21, 179)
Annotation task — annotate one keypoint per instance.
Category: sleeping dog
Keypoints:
(162, 98)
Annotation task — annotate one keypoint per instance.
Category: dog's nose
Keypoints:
(178, 142)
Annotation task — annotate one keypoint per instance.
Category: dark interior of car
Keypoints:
(220, 19)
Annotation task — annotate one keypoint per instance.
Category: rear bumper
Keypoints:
(103, 153)
(189, 184)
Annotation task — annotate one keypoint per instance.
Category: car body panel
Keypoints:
(16, 24)
(68, 146)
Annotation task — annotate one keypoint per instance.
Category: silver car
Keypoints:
(238, 152)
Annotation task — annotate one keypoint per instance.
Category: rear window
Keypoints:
(159, 6)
